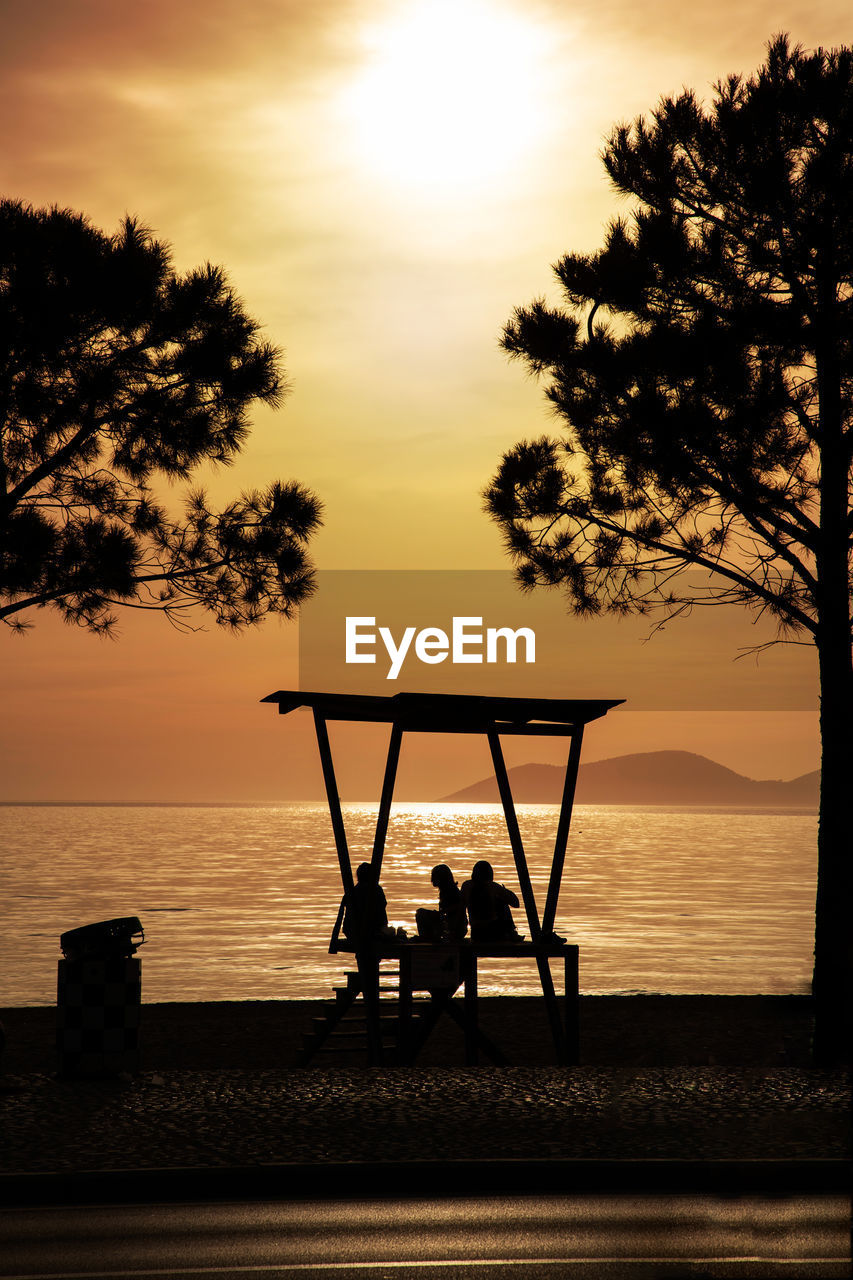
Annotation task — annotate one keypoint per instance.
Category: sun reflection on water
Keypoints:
(239, 903)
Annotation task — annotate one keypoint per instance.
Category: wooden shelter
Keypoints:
(420, 963)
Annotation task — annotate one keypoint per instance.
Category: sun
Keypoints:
(449, 93)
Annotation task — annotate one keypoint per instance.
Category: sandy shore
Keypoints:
(616, 1031)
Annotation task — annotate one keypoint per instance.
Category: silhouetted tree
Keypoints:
(702, 364)
(116, 372)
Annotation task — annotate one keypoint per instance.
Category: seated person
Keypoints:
(488, 905)
(448, 923)
(365, 910)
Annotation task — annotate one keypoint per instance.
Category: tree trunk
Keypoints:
(832, 984)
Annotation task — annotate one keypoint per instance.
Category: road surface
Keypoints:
(538, 1237)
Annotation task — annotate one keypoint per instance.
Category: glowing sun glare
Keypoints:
(449, 92)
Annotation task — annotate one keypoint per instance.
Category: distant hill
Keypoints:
(647, 777)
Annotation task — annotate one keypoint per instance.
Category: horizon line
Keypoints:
(321, 800)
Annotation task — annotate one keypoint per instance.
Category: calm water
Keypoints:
(238, 903)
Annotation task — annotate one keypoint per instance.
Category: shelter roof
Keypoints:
(447, 712)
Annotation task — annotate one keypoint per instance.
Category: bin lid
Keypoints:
(120, 936)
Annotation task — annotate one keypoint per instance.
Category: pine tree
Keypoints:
(117, 375)
(702, 367)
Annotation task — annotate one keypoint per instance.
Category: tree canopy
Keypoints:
(119, 376)
(701, 366)
(690, 360)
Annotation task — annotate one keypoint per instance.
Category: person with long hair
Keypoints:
(448, 923)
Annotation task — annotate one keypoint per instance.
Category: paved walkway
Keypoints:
(231, 1118)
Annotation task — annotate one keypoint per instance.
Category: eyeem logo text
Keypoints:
(467, 642)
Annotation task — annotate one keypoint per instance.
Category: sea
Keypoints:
(238, 902)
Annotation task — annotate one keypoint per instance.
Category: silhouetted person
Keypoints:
(365, 911)
(365, 920)
(488, 905)
(448, 923)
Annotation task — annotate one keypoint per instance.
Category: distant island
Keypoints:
(647, 777)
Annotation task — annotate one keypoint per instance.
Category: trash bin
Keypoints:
(98, 998)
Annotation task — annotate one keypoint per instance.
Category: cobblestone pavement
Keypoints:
(232, 1118)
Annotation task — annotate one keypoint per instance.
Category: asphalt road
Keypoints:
(530, 1237)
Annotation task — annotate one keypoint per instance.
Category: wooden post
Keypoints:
(514, 834)
(368, 972)
(470, 998)
(548, 992)
(572, 1000)
(552, 1006)
(404, 1010)
(385, 799)
(334, 800)
(550, 914)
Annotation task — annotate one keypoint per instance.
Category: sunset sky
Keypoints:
(383, 182)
